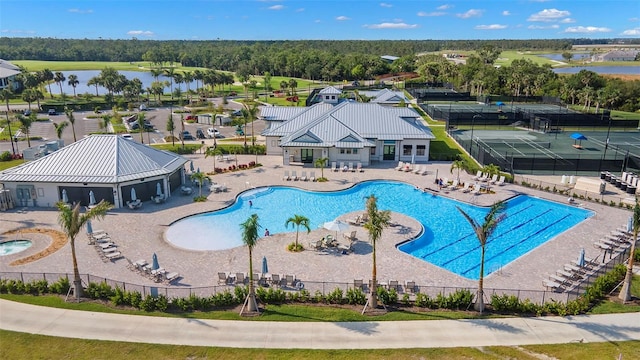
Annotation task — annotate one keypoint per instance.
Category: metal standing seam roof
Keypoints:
(330, 90)
(97, 159)
(292, 124)
(385, 96)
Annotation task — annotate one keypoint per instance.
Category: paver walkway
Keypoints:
(318, 335)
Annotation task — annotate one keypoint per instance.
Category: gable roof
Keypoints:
(284, 113)
(8, 69)
(330, 90)
(103, 159)
(385, 96)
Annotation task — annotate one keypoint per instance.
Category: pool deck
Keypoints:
(140, 233)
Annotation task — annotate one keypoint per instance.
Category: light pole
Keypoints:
(473, 120)
(606, 144)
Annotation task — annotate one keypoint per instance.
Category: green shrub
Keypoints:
(61, 286)
(271, 295)
(336, 296)
(5, 156)
(318, 297)
(424, 301)
(99, 291)
(356, 297)
(405, 299)
(119, 297)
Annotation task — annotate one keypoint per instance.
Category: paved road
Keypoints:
(318, 335)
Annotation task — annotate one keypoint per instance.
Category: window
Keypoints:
(372, 151)
(349, 151)
(406, 149)
(420, 150)
(333, 97)
(274, 143)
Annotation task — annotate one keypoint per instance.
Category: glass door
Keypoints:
(306, 155)
(389, 152)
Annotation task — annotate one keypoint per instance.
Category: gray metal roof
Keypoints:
(8, 69)
(97, 159)
(330, 90)
(284, 113)
(385, 96)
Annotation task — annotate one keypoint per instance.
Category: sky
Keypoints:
(320, 19)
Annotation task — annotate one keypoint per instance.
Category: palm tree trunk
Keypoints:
(625, 292)
(77, 282)
(252, 305)
(479, 305)
(373, 293)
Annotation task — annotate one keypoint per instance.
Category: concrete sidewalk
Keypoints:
(318, 335)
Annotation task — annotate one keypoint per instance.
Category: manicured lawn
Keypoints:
(507, 57)
(4, 165)
(37, 65)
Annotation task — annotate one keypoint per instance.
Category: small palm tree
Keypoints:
(378, 220)
(625, 292)
(458, 165)
(484, 232)
(60, 128)
(73, 81)
(72, 221)
(213, 152)
(25, 125)
(200, 178)
(250, 238)
(321, 163)
(72, 121)
(297, 221)
(140, 122)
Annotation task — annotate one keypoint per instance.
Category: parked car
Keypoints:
(191, 118)
(27, 112)
(186, 136)
(143, 107)
(53, 112)
(127, 136)
(213, 132)
(239, 130)
(135, 125)
(200, 134)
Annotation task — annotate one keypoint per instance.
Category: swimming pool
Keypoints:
(447, 241)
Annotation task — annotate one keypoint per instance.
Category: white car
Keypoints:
(127, 136)
(213, 132)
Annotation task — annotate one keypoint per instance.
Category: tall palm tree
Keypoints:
(187, 77)
(200, 177)
(169, 73)
(6, 95)
(140, 122)
(458, 165)
(213, 152)
(297, 221)
(250, 114)
(250, 238)
(72, 121)
(72, 221)
(60, 128)
(59, 79)
(46, 76)
(378, 220)
(73, 81)
(171, 127)
(25, 125)
(321, 163)
(95, 81)
(483, 232)
(625, 292)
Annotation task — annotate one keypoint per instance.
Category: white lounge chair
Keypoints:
(453, 186)
(351, 167)
(500, 181)
(359, 167)
(171, 277)
(466, 188)
(494, 179)
(418, 169)
(286, 175)
(303, 176)
(476, 189)
(342, 167)
(423, 171)
(312, 176)
(400, 166)
(407, 167)
(294, 176)
(333, 166)
(478, 175)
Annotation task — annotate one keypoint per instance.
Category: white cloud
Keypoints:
(586, 29)
(567, 21)
(444, 7)
(471, 13)
(317, 21)
(491, 27)
(387, 25)
(300, 10)
(548, 15)
(140, 33)
(631, 32)
(386, 5)
(634, 19)
(435, 13)
(506, 13)
(7, 31)
(342, 18)
(276, 7)
(540, 27)
(81, 11)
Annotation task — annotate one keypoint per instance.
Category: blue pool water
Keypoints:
(447, 241)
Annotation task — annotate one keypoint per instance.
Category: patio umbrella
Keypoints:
(630, 224)
(336, 225)
(154, 262)
(133, 195)
(265, 267)
(89, 227)
(158, 190)
(500, 103)
(65, 198)
(578, 137)
(92, 198)
(581, 258)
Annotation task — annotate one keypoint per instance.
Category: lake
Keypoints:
(558, 57)
(84, 75)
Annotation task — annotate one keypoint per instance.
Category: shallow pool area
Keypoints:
(447, 240)
(14, 246)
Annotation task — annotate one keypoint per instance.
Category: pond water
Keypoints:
(84, 75)
(558, 57)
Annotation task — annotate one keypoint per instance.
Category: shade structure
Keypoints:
(265, 266)
(159, 190)
(499, 103)
(92, 198)
(89, 227)
(581, 258)
(578, 137)
(154, 262)
(336, 226)
(65, 198)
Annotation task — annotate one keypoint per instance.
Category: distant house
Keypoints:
(616, 55)
(8, 74)
(386, 97)
(346, 132)
(389, 59)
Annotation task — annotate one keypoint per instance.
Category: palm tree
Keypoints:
(250, 114)
(7, 94)
(25, 125)
(73, 81)
(458, 165)
(140, 122)
(72, 120)
(625, 292)
(94, 81)
(46, 76)
(169, 73)
(321, 163)
(200, 177)
(484, 232)
(213, 152)
(171, 127)
(378, 220)
(59, 79)
(60, 128)
(298, 220)
(72, 221)
(250, 237)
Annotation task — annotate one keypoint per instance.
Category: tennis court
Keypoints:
(528, 151)
(481, 108)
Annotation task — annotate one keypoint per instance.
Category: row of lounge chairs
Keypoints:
(275, 280)
(158, 275)
(303, 176)
(345, 168)
(107, 250)
(616, 242)
(408, 287)
(486, 177)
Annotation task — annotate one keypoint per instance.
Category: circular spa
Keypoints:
(14, 246)
(447, 240)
